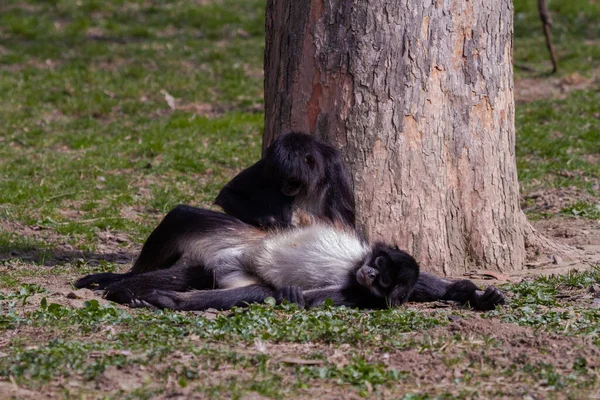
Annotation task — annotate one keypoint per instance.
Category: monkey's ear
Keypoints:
(310, 160)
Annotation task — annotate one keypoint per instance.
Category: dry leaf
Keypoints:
(169, 99)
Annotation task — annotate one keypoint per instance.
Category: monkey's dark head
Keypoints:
(295, 162)
(389, 273)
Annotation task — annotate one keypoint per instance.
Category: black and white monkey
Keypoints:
(197, 259)
(297, 172)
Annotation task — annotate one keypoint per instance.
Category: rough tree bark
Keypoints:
(418, 95)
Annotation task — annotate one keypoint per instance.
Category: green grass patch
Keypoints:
(119, 338)
(88, 127)
(583, 209)
(188, 348)
(539, 304)
(558, 143)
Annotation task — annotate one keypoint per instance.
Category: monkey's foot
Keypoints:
(137, 303)
(488, 299)
(157, 299)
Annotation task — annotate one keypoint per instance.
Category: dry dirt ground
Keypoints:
(531, 89)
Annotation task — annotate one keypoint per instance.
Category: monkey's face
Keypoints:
(390, 273)
(294, 162)
(375, 275)
(300, 173)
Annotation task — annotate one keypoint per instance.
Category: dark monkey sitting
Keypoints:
(298, 171)
(230, 263)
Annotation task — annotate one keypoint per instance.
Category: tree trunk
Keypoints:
(419, 98)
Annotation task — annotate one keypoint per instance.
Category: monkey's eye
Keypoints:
(310, 160)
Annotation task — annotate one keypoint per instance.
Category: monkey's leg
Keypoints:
(432, 288)
(103, 280)
(179, 278)
(197, 300)
(180, 231)
(161, 249)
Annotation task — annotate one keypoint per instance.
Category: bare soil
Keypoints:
(531, 89)
(553, 200)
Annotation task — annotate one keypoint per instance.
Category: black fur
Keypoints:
(179, 278)
(431, 288)
(298, 171)
(164, 272)
(161, 248)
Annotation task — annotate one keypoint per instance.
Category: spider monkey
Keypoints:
(228, 263)
(297, 172)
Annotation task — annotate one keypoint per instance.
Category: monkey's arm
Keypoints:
(197, 300)
(253, 200)
(432, 288)
(339, 200)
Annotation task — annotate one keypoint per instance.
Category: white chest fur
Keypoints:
(310, 257)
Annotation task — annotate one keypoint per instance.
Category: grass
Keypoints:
(548, 304)
(559, 141)
(279, 351)
(115, 111)
(151, 338)
(88, 127)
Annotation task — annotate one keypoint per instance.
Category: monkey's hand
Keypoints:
(465, 291)
(156, 299)
(292, 294)
(137, 303)
(488, 299)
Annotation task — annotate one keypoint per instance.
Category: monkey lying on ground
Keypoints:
(231, 263)
(298, 171)
(197, 259)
